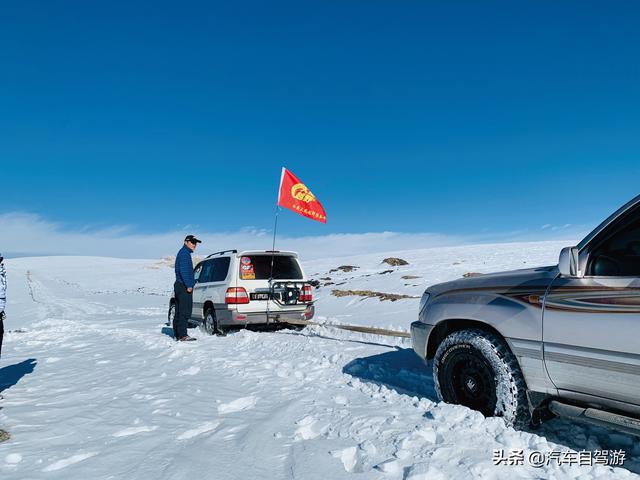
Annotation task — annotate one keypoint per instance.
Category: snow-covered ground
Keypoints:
(94, 386)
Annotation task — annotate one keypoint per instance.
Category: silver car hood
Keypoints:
(533, 278)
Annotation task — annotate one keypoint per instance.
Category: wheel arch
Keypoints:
(446, 327)
(207, 304)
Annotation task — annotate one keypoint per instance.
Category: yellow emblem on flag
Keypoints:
(300, 192)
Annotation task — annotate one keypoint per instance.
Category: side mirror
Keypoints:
(568, 263)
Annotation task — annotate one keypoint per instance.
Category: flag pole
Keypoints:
(275, 229)
(273, 248)
(273, 245)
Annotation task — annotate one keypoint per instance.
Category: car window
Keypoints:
(618, 254)
(215, 270)
(207, 270)
(197, 271)
(220, 268)
(258, 267)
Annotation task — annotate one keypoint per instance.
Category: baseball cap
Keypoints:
(192, 239)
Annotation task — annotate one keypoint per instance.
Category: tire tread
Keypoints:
(512, 403)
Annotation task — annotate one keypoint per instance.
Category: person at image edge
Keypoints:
(3, 298)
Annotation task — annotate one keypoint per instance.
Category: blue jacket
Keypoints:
(184, 268)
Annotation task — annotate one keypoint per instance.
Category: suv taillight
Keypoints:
(306, 295)
(236, 295)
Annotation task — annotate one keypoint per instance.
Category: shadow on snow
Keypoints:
(580, 436)
(400, 369)
(11, 374)
(168, 331)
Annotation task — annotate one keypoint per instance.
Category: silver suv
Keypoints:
(257, 287)
(561, 340)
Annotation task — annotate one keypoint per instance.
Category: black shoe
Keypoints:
(187, 338)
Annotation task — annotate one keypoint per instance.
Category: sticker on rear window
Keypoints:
(265, 266)
(246, 271)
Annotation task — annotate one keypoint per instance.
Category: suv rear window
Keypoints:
(258, 267)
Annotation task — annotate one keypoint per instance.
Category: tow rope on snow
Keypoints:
(354, 328)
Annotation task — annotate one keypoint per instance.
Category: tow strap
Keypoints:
(353, 328)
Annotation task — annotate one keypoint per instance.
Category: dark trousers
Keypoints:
(184, 306)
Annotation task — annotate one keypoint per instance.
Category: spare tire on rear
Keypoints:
(476, 368)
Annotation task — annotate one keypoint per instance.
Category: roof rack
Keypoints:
(222, 252)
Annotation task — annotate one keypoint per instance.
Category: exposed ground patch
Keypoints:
(395, 262)
(370, 294)
(344, 268)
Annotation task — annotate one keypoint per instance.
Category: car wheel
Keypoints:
(476, 368)
(210, 323)
(172, 314)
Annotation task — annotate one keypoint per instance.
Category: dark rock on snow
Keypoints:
(395, 262)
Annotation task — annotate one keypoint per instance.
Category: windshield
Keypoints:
(609, 220)
(258, 267)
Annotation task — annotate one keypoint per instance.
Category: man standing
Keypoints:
(183, 288)
(3, 298)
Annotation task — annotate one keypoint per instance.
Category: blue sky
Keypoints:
(462, 118)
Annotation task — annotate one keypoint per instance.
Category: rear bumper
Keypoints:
(228, 317)
(419, 337)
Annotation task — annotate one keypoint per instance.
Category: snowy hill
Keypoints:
(94, 387)
(425, 267)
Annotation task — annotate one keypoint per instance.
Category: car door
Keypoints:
(211, 285)
(200, 274)
(591, 325)
(217, 286)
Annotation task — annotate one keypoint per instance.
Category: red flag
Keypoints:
(295, 196)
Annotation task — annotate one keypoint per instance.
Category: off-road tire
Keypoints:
(210, 322)
(481, 359)
(171, 314)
